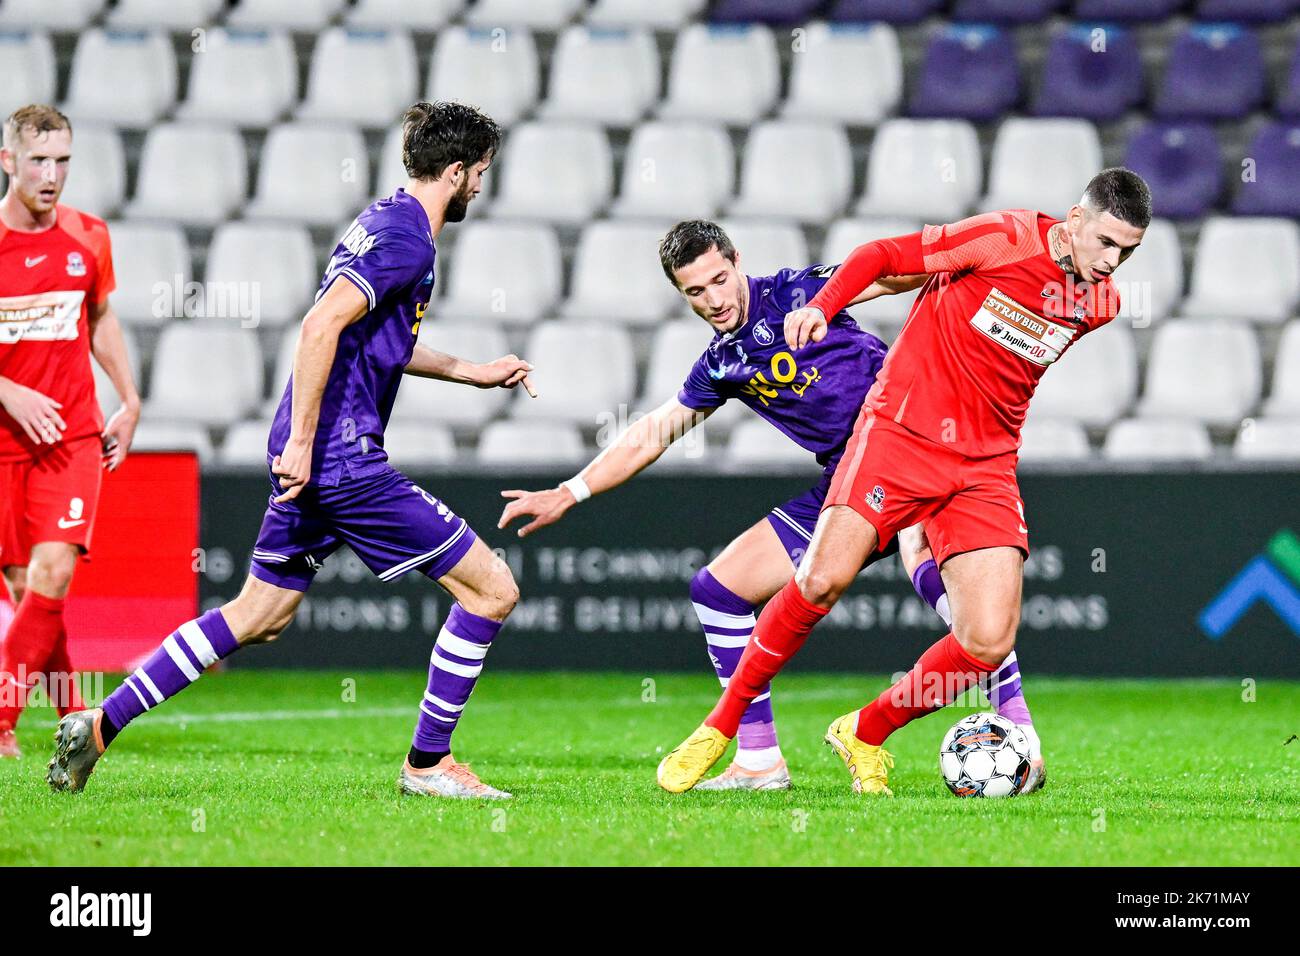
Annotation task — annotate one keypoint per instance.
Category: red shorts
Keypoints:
(895, 478)
(49, 498)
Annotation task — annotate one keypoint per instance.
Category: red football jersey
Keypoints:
(995, 313)
(48, 282)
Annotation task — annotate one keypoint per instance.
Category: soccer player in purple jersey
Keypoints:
(330, 477)
(813, 398)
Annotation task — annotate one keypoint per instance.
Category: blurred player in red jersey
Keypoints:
(56, 272)
(936, 442)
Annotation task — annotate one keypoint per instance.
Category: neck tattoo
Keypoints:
(1063, 259)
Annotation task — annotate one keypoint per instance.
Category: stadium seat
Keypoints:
(757, 444)
(387, 61)
(390, 173)
(890, 11)
(767, 247)
(313, 173)
(531, 443)
(178, 15)
(1094, 383)
(617, 275)
(1091, 72)
(1010, 12)
(1246, 268)
(151, 262)
(776, 148)
(422, 400)
(1204, 369)
(846, 235)
(505, 272)
(1275, 189)
(191, 172)
(1214, 72)
(249, 78)
(1150, 283)
(1135, 11)
(1246, 11)
(284, 354)
(549, 15)
(245, 444)
(661, 15)
(96, 180)
(1288, 97)
(779, 13)
(602, 76)
(1053, 440)
(105, 392)
(305, 16)
(1284, 398)
(970, 72)
(495, 70)
(127, 78)
(1042, 164)
(845, 74)
(1144, 439)
(675, 171)
(27, 69)
(1268, 439)
(556, 171)
(1182, 165)
(585, 373)
(173, 436)
(276, 259)
(695, 449)
(67, 16)
(205, 372)
(706, 59)
(673, 350)
(930, 169)
(418, 445)
(427, 16)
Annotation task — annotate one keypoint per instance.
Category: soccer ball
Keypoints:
(984, 755)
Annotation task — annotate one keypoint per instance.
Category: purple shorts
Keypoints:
(795, 520)
(392, 524)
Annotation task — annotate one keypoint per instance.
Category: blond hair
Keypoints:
(36, 117)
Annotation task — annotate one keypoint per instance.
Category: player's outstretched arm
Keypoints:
(890, 285)
(109, 349)
(639, 446)
(505, 372)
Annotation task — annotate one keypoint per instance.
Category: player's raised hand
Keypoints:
(293, 468)
(37, 414)
(803, 326)
(506, 372)
(118, 435)
(545, 507)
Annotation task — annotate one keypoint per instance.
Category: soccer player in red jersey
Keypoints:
(936, 442)
(56, 272)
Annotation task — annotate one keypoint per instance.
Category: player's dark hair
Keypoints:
(689, 240)
(435, 135)
(36, 117)
(1122, 193)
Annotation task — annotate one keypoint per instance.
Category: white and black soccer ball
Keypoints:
(984, 755)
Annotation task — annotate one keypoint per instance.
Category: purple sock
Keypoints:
(728, 622)
(1005, 693)
(929, 585)
(179, 662)
(454, 667)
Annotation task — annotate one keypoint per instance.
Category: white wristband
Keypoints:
(577, 487)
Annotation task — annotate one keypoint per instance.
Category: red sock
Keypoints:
(32, 636)
(940, 676)
(61, 682)
(782, 628)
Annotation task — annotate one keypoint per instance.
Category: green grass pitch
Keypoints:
(277, 768)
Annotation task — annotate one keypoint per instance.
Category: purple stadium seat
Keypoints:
(970, 72)
(890, 11)
(1288, 99)
(1246, 11)
(1133, 11)
(1181, 163)
(1005, 11)
(774, 12)
(1215, 71)
(1276, 189)
(1097, 85)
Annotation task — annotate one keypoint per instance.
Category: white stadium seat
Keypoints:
(424, 15)
(96, 180)
(1154, 439)
(617, 275)
(661, 15)
(843, 237)
(367, 77)
(506, 272)
(674, 349)
(927, 169)
(1246, 268)
(275, 259)
(284, 355)
(742, 61)
(602, 76)
(1204, 369)
(555, 171)
(418, 445)
(695, 449)
(1284, 399)
(530, 443)
(1150, 282)
(765, 247)
(317, 173)
(173, 436)
(192, 173)
(584, 373)
(1094, 383)
(391, 173)
(820, 189)
(206, 372)
(179, 15)
(495, 70)
(109, 400)
(845, 73)
(422, 400)
(676, 171)
(757, 443)
(151, 262)
(27, 69)
(306, 16)
(1268, 439)
(245, 77)
(1042, 164)
(123, 77)
(66, 16)
(1053, 440)
(245, 444)
(533, 14)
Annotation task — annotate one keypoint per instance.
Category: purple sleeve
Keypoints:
(700, 390)
(800, 286)
(395, 260)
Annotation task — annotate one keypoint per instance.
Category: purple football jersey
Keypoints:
(387, 252)
(813, 395)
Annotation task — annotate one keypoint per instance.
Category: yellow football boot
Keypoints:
(686, 766)
(869, 764)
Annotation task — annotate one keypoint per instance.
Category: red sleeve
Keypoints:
(899, 256)
(106, 281)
